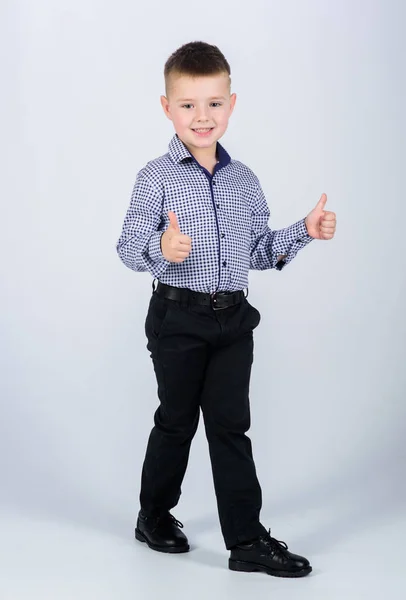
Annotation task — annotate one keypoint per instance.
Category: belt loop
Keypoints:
(246, 294)
(153, 285)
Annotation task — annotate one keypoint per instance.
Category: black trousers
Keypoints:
(202, 360)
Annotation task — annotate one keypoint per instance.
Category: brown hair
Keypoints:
(196, 59)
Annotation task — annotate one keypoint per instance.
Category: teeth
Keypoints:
(203, 130)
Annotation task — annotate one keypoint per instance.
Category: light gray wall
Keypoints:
(321, 97)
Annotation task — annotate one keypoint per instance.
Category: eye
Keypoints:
(186, 105)
(216, 104)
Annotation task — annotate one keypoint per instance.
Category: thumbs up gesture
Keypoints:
(320, 223)
(175, 246)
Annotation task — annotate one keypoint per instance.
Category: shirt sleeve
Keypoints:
(139, 246)
(273, 249)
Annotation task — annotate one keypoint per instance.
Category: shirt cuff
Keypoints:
(154, 247)
(298, 232)
(157, 262)
(299, 235)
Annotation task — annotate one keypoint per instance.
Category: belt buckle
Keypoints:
(213, 300)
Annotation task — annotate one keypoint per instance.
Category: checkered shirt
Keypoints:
(225, 214)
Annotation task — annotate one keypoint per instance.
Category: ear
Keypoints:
(233, 99)
(165, 106)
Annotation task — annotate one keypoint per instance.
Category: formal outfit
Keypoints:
(200, 326)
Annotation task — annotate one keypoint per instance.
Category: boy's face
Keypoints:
(199, 108)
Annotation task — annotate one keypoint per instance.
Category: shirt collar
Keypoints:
(178, 152)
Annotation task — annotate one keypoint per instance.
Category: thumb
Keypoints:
(173, 221)
(322, 202)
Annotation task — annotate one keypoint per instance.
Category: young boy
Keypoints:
(197, 221)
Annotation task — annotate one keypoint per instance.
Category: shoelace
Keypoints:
(174, 521)
(167, 517)
(272, 542)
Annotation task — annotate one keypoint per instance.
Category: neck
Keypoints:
(204, 156)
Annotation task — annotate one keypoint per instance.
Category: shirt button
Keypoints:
(224, 263)
(218, 205)
(223, 235)
(214, 183)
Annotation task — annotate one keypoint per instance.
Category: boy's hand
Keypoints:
(175, 246)
(320, 223)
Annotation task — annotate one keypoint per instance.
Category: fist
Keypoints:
(175, 246)
(320, 223)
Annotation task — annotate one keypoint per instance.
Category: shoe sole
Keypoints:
(167, 549)
(247, 567)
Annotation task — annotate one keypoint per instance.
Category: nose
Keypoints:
(201, 113)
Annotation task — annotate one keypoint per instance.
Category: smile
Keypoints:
(203, 131)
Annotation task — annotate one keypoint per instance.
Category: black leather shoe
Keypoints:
(161, 533)
(270, 556)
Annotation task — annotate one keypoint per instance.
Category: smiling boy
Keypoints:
(198, 222)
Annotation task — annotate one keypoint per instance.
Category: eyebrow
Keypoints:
(192, 100)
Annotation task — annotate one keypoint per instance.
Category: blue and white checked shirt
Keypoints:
(225, 214)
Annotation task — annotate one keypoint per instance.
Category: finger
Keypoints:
(182, 246)
(173, 220)
(327, 225)
(329, 216)
(325, 221)
(184, 239)
(181, 254)
(322, 202)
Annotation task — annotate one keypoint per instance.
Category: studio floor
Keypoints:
(353, 557)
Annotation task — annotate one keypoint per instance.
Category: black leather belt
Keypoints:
(218, 300)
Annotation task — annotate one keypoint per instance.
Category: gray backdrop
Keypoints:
(320, 108)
